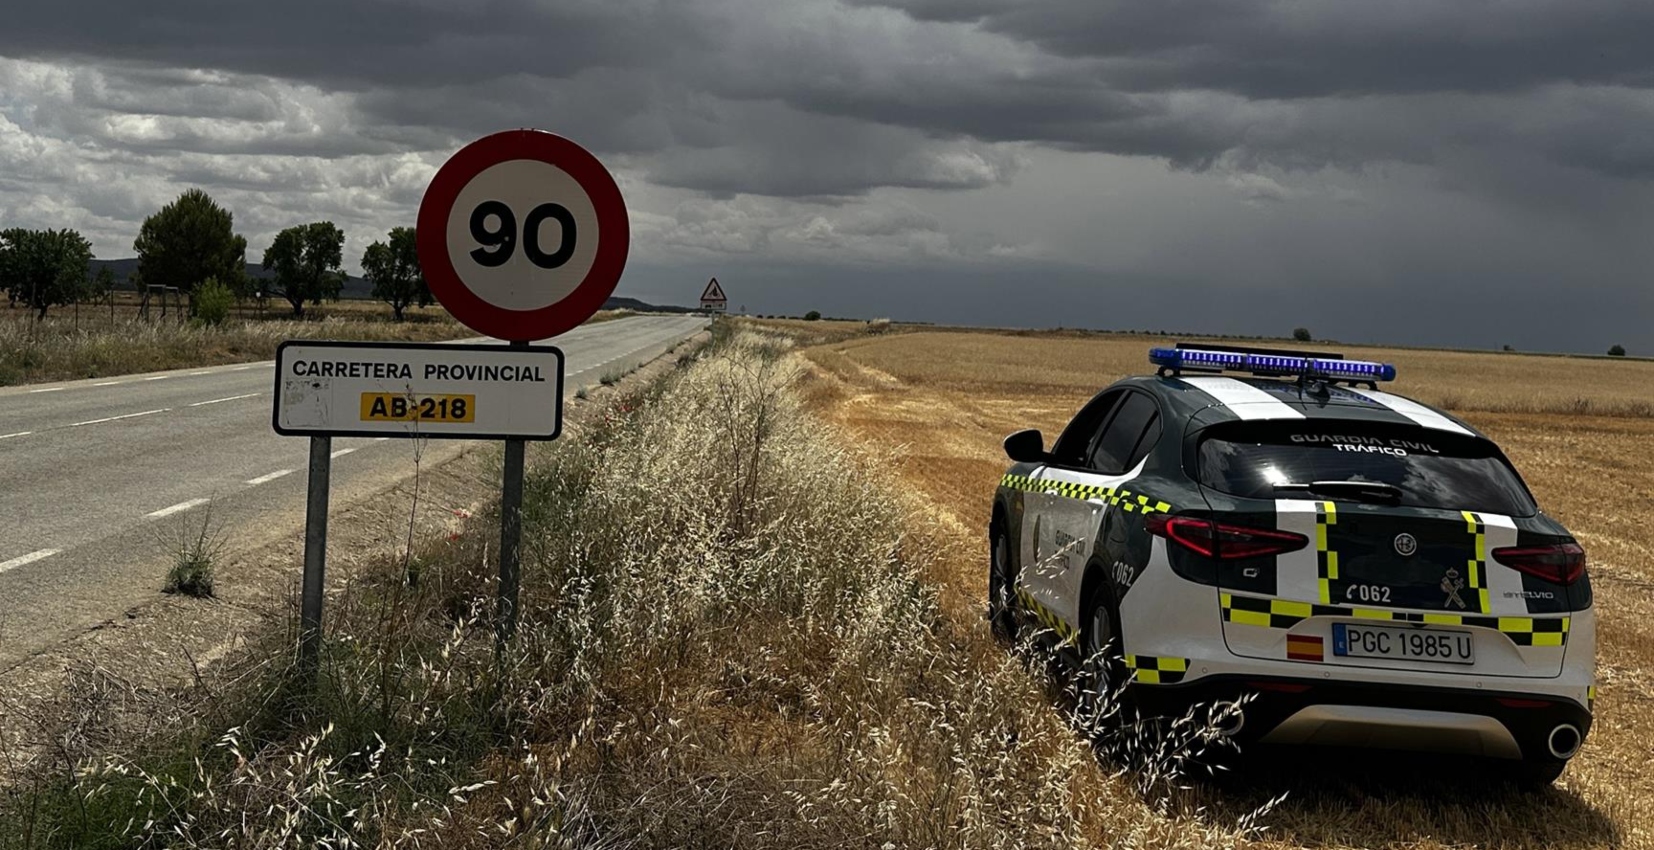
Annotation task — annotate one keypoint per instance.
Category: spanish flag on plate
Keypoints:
(1305, 648)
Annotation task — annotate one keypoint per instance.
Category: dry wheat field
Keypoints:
(1577, 429)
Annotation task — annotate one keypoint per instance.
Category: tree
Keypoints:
(188, 241)
(1301, 334)
(306, 258)
(212, 302)
(812, 316)
(1617, 351)
(44, 268)
(393, 267)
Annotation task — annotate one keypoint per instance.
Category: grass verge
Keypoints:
(729, 637)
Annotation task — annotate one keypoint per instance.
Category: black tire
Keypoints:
(1001, 588)
(1538, 774)
(1102, 663)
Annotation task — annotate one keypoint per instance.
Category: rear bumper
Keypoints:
(1432, 719)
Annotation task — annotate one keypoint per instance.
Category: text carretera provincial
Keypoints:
(404, 372)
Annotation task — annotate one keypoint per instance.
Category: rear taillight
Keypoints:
(1562, 563)
(1224, 542)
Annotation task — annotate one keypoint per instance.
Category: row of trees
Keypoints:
(191, 243)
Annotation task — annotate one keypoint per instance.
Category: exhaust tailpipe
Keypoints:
(1564, 741)
(1228, 719)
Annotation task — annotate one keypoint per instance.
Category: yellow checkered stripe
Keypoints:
(1326, 560)
(1285, 613)
(1117, 496)
(1476, 581)
(1046, 617)
(1156, 669)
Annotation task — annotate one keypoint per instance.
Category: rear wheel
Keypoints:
(1103, 667)
(1001, 588)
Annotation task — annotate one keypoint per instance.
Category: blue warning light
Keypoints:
(1271, 365)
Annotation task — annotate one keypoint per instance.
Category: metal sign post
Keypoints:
(315, 555)
(511, 534)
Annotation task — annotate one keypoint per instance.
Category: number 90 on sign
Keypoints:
(400, 407)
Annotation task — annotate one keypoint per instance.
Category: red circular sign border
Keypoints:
(613, 226)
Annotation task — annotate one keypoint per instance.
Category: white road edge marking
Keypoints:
(18, 434)
(380, 439)
(178, 508)
(108, 383)
(265, 479)
(157, 377)
(202, 372)
(114, 418)
(27, 559)
(242, 368)
(342, 452)
(48, 390)
(229, 398)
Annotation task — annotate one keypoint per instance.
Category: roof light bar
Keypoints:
(1269, 365)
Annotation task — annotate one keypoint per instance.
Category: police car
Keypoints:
(1248, 521)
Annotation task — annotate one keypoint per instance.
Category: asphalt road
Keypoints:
(90, 469)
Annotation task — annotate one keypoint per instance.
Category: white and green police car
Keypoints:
(1247, 521)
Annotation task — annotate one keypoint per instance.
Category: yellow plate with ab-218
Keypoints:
(400, 407)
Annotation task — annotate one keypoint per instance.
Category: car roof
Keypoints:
(1250, 398)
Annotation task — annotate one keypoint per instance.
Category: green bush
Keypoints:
(812, 316)
(212, 302)
(1617, 351)
(1301, 334)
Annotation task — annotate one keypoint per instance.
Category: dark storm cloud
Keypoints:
(717, 88)
(1278, 49)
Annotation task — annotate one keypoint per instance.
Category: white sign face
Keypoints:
(523, 234)
(418, 390)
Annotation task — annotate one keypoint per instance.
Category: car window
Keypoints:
(1113, 450)
(1081, 432)
(1151, 435)
(1431, 468)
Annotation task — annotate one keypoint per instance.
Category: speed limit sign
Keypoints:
(522, 235)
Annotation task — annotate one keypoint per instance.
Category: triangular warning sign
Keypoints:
(713, 292)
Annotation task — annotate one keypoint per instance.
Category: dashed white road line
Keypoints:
(108, 383)
(342, 452)
(48, 390)
(27, 559)
(242, 368)
(157, 377)
(17, 434)
(227, 398)
(178, 508)
(265, 479)
(202, 372)
(122, 416)
(380, 439)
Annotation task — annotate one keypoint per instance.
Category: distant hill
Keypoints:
(357, 288)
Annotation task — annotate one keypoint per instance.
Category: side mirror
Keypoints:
(1026, 446)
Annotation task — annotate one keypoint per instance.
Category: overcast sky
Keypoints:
(1464, 172)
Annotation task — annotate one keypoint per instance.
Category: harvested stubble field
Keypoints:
(1577, 429)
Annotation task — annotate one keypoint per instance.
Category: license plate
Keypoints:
(1403, 644)
(396, 407)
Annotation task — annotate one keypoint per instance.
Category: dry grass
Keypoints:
(942, 401)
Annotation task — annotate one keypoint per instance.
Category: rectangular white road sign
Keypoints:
(407, 389)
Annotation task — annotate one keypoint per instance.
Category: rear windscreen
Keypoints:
(1432, 469)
